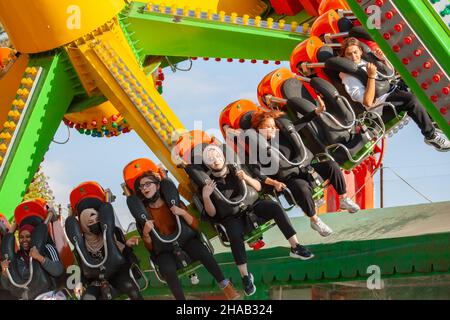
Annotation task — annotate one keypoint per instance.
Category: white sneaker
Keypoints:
(439, 141)
(349, 205)
(321, 228)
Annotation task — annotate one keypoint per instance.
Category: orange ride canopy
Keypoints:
(326, 23)
(271, 84)
(188, 141)
(305, 51)
(326, 5)
(88, 189)
(36, 207)
(231, 115)
(136, 168)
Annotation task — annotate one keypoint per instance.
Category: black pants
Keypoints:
(122, 282)
(197, 251)
(302, 191)
(406, 101)
(236, 227)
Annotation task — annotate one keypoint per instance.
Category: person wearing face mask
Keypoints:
(147, 186)
(228, 183)
(297, 180)
(362, 88)
(48, 259)
(87, 200)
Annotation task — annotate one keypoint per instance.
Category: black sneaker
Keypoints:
(249, 286)
(301, 252)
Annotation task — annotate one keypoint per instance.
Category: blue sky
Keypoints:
(200, 95)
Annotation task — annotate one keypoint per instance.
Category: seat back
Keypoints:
(321, 127)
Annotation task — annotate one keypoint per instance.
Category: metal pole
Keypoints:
(381, 186)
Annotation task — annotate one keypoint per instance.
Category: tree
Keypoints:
(4, 40)
(39, 188)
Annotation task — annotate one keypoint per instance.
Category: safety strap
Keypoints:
(312, 176)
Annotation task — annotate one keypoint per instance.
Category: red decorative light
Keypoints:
(408, 40)
(405, 61)
(104, 121)
(443, 110)
(425, 86)
(396, 48)
(386, 36)
(205, 58)
(241, 60)
(415, 73)
(277, 62)
(253, 61)
(398, 27)
(434, 98)
(94, 123)
(379, 3)
(194, 58)
(265, 61)
(418, 52)
(436, 78)
(230, 60)
(427, 65)
(217, 59)
(389, 15)
(446, 90)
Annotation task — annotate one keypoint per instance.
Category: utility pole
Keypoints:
(381, 186)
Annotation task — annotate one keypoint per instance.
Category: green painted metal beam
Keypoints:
(434, 38)
(44, 115)
(168, 35)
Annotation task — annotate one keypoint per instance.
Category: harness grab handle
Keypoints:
(93, 266)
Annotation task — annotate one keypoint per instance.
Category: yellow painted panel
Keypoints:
(9, 83)
(251, 7)
(122, 102)
(42, 25)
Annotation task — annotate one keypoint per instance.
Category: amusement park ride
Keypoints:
(97, 66)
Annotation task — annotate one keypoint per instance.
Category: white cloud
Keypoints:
(57, 172)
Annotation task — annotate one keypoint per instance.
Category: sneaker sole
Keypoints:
(436, 147)
(250, 294)
(253, 292)
(300, 257)
(323, 234)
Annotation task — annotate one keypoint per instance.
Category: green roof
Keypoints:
(402, 241)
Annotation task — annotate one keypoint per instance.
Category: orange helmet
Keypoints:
(188, 141)
(305, 51)
(232, 114)
(36, 207)
(271, 84)
(326, 23)
(88, 189)
(136, 168)
(327, 5)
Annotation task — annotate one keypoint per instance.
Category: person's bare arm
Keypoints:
(208, 189)
(249, 180)
(369, 95)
